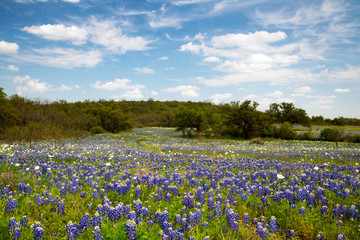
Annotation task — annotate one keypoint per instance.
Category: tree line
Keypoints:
(29, 120)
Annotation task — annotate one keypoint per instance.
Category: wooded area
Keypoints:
(29, 120)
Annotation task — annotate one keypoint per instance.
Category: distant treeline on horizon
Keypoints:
(25, 119)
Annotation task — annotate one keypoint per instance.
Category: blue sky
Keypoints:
(304, 52)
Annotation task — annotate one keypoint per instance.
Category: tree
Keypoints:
(244, 120)
(189, 117)
(9, 116)
(287, 112)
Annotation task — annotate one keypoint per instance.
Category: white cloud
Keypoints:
(169, 68)
(108, 34)
(10, 68)
(276, 94)
(164, 58)
(26, 84)
(218, 98)
(321, 102)
(144, 70)
(212, 59)
(59, 32)
(116, 84)
(186, 2)
(154, 93)
(8, 48)
(283, 75)
(297, 95)
(63, 87)
(63, 57)
(351, 73)
(341, 90)
(130, 94)
(185, 90)
(305, 89)
(71, 1)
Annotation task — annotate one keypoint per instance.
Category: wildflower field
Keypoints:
(151, 184)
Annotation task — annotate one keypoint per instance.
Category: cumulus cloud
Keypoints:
(27, 84)
(8, 48)
(164, 58)
(154, 93)
(305, 89)
(110, 35)
(321, 102)
(341, 90)
(211, 59)
(276, 94)
(63, 87)
(144, 70)
(62, 57)
(220, 97)
(59, 32)
(117, 84)
(130, 94)
(10, 68)
(185, 90)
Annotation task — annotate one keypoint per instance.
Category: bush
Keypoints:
(286, 132)
(331, 134)
(97, 130)
(259, 141)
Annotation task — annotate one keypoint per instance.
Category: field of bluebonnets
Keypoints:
(149, 185)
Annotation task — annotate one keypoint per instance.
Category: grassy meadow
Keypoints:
(153, 184)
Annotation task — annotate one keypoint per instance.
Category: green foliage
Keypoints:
(331, 134)
(97, 130)
(285, 131)
(287, 112)
(243, 120)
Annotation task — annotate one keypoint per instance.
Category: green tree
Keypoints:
(287, 112)
(244, 120)
(9, 116)
(189, 118)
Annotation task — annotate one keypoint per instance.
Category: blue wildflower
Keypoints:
(130, 226)
(97, 233)
(273, 225)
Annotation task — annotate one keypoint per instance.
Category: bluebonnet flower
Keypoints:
(319, 236)
(24, 221)
(340, 223)
(95, 194)
(218, 209)
(132, 215)
(200, 195)
(138, 191)
(246, 218)
(211, 203)
(354, 212)
(231, 219)
(207, 238)
(131, 229)
(61, 207)
(150, 223)
(188, 200)
(97, 233)
(17, 233)
(273, 225)
(82, 194)
(337, 211)
(292, 233)
(85, 222)
(38, 231)
(12, 224)
(96, 221)
(324, 210)
(11, 204)
(261, 231)
(302, 211)
(72, 230)
(265, 201)
(341, 236)
(168, 197)
(138, 207)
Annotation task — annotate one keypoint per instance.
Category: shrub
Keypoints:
(259, 141)
(97, 130)
(331, 134)
(285, 131)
